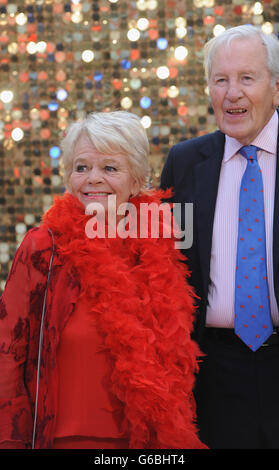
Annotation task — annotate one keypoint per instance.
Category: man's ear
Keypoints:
(276, 94)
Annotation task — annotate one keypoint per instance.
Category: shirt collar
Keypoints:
(265, 140)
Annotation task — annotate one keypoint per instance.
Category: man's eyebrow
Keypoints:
(241, 72)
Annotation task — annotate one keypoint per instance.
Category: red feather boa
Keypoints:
(145, 312)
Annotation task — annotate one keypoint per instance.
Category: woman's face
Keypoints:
(96, 176)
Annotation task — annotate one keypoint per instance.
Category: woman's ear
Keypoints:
(134, 188)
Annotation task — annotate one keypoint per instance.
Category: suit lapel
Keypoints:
(206, 186)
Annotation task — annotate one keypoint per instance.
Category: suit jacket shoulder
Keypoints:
(184, 156)
(197, 142)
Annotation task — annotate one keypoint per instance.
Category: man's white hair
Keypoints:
(270, 41)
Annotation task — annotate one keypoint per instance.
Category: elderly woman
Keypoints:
(95, 347)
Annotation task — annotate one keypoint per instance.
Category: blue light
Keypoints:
(145, 102)
(98, 76)
(54, 152)
(125, 64)
(30, 17)
(61, 94)
(33, 75)
(162, 43)
(53, 106)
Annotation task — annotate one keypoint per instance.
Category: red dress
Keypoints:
(89, 415)
(136, 290)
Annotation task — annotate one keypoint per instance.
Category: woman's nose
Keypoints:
(95, 175)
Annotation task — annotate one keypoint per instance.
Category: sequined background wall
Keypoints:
(61, 60)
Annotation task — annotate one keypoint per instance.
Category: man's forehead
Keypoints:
(243, 45)
(240, 52)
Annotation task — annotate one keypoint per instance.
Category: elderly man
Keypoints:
(232, 178)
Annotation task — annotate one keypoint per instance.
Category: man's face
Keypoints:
(240, 88)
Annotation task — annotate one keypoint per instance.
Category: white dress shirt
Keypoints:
(220, 310)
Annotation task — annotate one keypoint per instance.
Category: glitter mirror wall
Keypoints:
(60, 60)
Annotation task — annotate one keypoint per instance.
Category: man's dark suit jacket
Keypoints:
(192, 169)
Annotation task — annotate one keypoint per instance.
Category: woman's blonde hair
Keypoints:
(111, 133)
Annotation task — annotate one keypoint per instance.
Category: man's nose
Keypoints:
(234, 91)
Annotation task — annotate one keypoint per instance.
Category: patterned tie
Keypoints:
(252, 311)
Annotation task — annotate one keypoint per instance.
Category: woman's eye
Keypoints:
(110, 168)
(81, 168)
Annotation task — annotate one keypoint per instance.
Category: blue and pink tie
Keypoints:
(253, 322)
